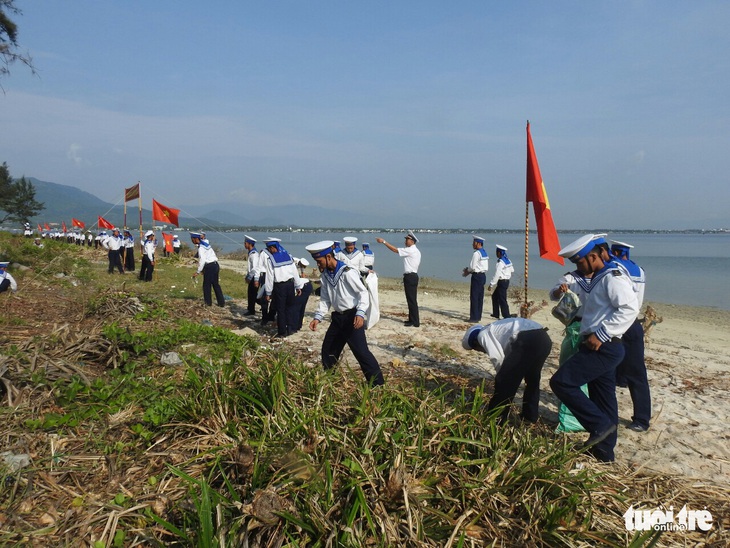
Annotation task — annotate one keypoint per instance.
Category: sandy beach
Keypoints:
(686, 355)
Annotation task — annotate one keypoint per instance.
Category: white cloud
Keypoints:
(74, 154)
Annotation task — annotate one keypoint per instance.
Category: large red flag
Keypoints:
(164, 214)
(76, 222)
(131, 193)
(103, 223)
(547, 236)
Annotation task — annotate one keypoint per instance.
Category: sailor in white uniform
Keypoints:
(128, 251)
(6, 279)
(411, 262)
(368, 260)
(209, 267)
(282, 277)
(343, 292)
(631, 372)
(149, 246)
(352, 256)
(113, 244)
(252, 274)
(609, 309)
(500, 283)
(477, 268)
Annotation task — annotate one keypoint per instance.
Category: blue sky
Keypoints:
(412, 110)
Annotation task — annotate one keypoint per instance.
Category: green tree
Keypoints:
(9, 39)
(17, 198)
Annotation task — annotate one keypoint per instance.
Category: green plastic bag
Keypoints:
(566, 421)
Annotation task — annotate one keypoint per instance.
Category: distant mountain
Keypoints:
(63, 202)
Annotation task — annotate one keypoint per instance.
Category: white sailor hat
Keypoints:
(622, 247)
(115, 229)
(272, 241)
(599, 239)
(470, 336)
(578, 249)
(320, 249)
(349, 239)
(249, 239)
(174, 237)
(4, 264)
(501, 247)
(365, 245)
(302, 261)
(412, 236)
(194, 235)
(149, 233)
(478, 239)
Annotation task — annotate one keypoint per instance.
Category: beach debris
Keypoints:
(171, 358)
(15, 462)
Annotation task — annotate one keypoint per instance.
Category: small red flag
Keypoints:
(46, 226)
(164, 214)
(63, 225)
(547, 236)
(103, 223)
(131, 193)
(76, 222)
(168, 241)
(39, 228)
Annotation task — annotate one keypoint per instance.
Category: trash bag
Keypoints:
(571, 342)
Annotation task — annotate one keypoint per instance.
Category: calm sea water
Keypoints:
(687, 269)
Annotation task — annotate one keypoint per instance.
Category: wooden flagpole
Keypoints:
(527, 256)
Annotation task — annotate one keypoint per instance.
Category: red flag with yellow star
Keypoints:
(547, 236)
(164, 214)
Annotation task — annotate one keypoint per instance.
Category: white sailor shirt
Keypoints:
(503, 272)
(7, 276)
(636, 274)
(281, 272)
(354, 260)
(206, 255)
(148, 248)
(112, 243)
(342, 290)
(496, 338)
(253, 265)
(411, 259)
(610, 305)
(479, 262)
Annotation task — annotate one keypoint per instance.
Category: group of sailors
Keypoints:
(278, 283)
(603, 346)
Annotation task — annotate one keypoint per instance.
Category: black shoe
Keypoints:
(636, 427)
(249, 313)
(472, 320)
(493, 316)
(598, 437)
(408, 324)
